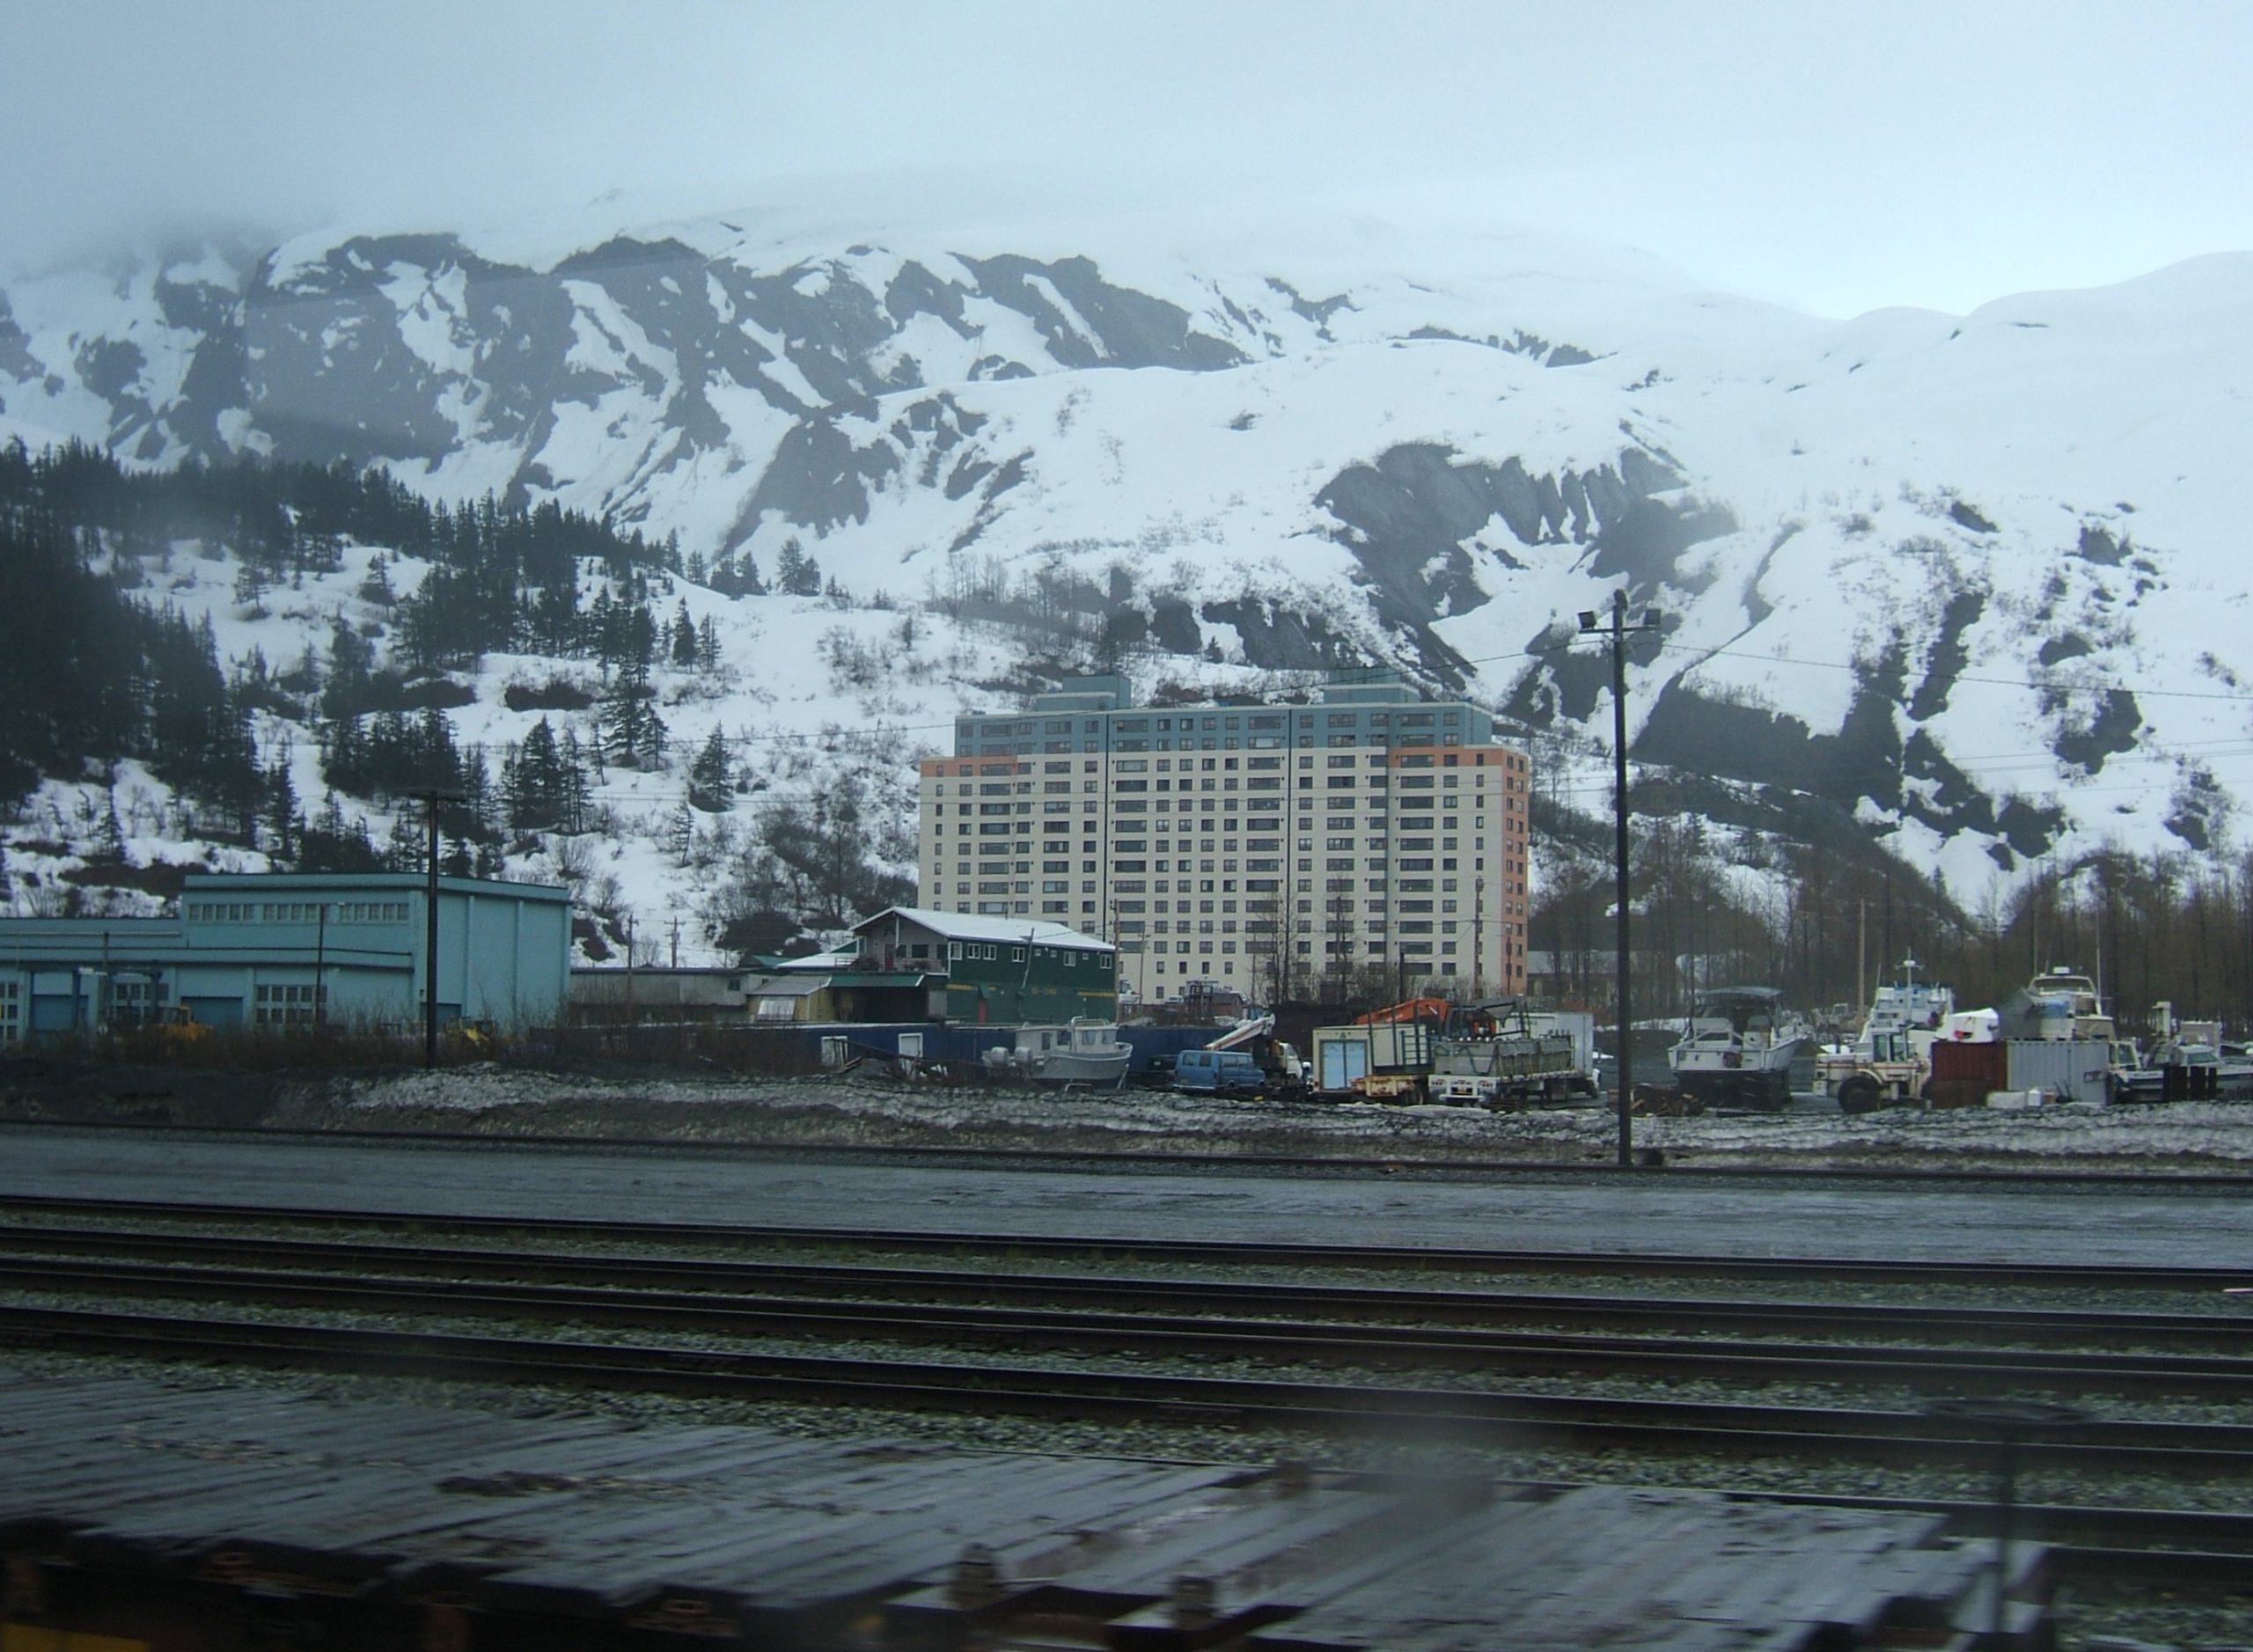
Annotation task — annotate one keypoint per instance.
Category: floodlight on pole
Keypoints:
(1590, 624)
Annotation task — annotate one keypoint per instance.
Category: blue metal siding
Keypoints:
(504, 951)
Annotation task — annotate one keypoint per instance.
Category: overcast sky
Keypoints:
(1837, 157)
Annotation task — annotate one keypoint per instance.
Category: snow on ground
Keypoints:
(803, 692)
(863, 1110)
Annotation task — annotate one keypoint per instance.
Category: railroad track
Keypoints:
(1189, 1317)
(2228, 1332)
(1600, 1167)
(1397, 1259)
(1890, 1436)
(1201, 1336)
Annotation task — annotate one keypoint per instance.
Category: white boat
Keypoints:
(2057, 1004)
(1907, 1005)
(1740, 1047)
(2199, 1072)
(1082, 1052)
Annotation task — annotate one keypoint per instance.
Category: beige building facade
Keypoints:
(1256, 847)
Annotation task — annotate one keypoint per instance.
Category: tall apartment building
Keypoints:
(1258, 847)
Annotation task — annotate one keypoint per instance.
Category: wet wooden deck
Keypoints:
(785, 1542)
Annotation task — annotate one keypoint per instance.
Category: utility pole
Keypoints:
(1591, 624)
(1861, 951)
(1478, 941)
(432, 796)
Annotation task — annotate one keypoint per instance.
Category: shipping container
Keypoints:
(1379, 1062)
(2065, 1069)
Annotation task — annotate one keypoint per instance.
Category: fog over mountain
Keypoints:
(1970, 581)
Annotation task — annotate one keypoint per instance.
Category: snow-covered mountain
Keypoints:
(1974, 579)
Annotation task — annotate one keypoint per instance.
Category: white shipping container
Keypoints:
(2070, 1070)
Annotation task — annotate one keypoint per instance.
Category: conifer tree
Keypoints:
(250, 590)
(573, 784)
(652, 754)
(796, 574)
(535, 790)
(112, 831)
(633, 733)
(709, 778)
(376, 588)
(282, 807)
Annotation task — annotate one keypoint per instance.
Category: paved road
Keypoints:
(1655, 1211)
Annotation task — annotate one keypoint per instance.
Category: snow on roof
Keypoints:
(823, 963)
(970, 926)
(802, 986)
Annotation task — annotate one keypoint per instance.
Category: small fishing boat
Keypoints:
(1083, 1051)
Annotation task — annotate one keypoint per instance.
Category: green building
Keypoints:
(281, 949)
(996, 969)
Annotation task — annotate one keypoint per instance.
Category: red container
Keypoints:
(1987, 1063)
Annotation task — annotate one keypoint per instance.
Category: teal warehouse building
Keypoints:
(284, 949)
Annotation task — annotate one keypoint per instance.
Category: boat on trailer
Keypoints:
(1740, 1047)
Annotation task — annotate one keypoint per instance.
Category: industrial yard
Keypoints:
(867, 1108)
